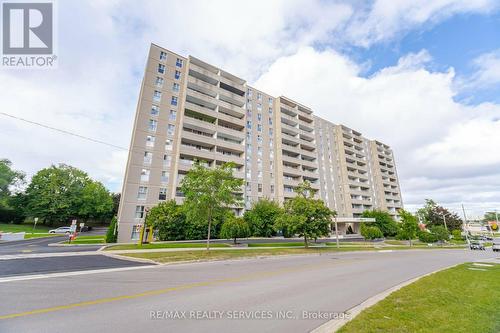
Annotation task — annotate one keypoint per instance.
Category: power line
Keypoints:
(64, 131)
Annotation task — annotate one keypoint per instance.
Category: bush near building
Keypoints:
(235, 227)
(370, 232)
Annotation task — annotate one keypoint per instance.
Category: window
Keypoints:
(259, 188)
(152, 125)
(270, 132)
(259, 116)
(145, 175)
(272, 188)
(155, 110)
(148, 157)
(150, 141)
(178, 62)
(259, 127)
(161, 69)
(157, 96)
(249, 93)
(159, 82)
(249, 105)
(271, 121)
(163, 194)
(249, 113)
(164, 177)
(249, 124)
(175, 87)
(270, 101)
(169, 144)
(170, 129)
(172, 115)
(259, 96)
(259, 107)
(177, 75)
(136, 231)
(173, 101)
(142, 193)
(163, 55)
(259, 151)
(167, 159)
(270, 111)
(139, 212)
(259, 139)
(259, 174)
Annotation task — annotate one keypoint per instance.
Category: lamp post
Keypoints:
(336, 231)
(444, 220)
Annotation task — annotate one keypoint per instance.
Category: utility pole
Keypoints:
(444, 220)
(465, 223)
(336, 231)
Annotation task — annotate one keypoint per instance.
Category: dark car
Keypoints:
(86, 228)
(476, 245)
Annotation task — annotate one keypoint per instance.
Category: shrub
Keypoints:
(262, 217)
(383, 221)
(370, 232)
(112, 233)
(426, 237)
(440, 233)
(169, 220)
(457, 235)
(235, 227)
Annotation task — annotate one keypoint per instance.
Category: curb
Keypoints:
(335, 324)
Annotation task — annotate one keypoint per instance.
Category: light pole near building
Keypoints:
(336, 231)
(444, 220)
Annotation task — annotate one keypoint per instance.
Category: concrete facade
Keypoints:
(190, 110)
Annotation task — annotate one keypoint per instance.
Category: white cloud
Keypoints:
(487, 72)
(439, 144)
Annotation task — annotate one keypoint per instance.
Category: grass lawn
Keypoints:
(278, 244)
(90, 239)
(8, 227)
(39, 235)
(163, 246)
(465, 298)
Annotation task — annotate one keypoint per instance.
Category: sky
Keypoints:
(422, 76)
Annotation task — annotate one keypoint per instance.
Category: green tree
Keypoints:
(305, 216)
(234, 228)
(432, 214)
(169, 219)
(440, 233)
(408, 227)
(370, 232)
(262, 217)
(8, 178)
(426, 236)
(208, 191)
(94, 201)
(112, 233)
(383, 221)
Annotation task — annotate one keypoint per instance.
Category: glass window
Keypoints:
(249, 93)
(259, 116)
(145, 175)
(159, 82)
(270, 121)
(178, 62)
(270, 101)
(259, 188)
(155, 110)
(136, 231)
(163, 194)
(150, 141)
(139, 212)
(175, 87)
(173, 101)
(259, 96)
(169, 144)
(259, 127)
(167, 159)
(157, 96)
(164, 177)
(170, 129)
(148, 157)
(259, 107)
(161, 69)
(172, 115)
(163, 55)
(142, 193)
(153, 124)
(177, 75)
(249, 124)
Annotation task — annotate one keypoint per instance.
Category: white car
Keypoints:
(496, 244)
(60, 230)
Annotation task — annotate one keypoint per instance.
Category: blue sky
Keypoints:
(422, 76)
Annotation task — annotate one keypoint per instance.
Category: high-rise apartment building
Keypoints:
(189, 110)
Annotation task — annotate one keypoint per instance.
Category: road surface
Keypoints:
(207, 297)
(41, 245)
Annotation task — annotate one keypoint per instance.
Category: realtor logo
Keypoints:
(28, 29)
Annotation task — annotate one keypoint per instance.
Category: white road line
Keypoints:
(74, 273)
(48, 255)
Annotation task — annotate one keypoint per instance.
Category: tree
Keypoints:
(440, 233)
(305, 216)
(169, 219)
(409, 226)
(59, 193)
(208, 191)
(235, 227)
(426, 236)
(112, 233)
(94, 201)
(370, 232)
(116, 202)
(491, 216)
(432, 214)
(8, 178)
(383, 221)
(262, 217)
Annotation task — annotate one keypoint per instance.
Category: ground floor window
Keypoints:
(136, 231)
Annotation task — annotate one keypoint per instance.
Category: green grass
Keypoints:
(283, 244)
(163, 246)
(8, 227)
(39, 235)
(88, 239)
(454, 300)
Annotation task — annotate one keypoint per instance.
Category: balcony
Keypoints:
(199, 124)
(197, 152)
(236, 147)
(201, 99)
(192, 135)
(206, 75)
(231, 133)
(231, 109)
(292, 160)
(312, 164)
(200, 109)
(238, 160)
(289, 129)
(197, 84)
(231, 97)
(232, 81)
(292, 171)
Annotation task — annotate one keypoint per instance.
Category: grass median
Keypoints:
(163, 246)
(465, 298)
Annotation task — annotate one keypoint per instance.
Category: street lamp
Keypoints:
(444, 220)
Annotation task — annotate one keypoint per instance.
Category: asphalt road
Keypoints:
(40, 245)
(17, 267)
(126, 301)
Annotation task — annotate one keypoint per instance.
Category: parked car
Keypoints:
(496, 245)
(477, 245)
(85, 228)
(60, 230)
